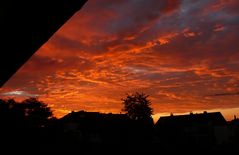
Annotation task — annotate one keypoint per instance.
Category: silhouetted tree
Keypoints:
(11, 111)
(137, 106)
(30, 111)
(4, 108)
(36, 112)
(25, 123)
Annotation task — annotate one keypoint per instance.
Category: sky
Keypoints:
(183, 53)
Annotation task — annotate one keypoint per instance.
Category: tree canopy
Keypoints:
(30, 111)
(137, 106)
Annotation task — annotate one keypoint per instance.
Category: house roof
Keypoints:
(93, 116)
(214, 118)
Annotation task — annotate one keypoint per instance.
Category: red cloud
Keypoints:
(176, 52)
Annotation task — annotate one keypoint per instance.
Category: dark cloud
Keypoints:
(43, 64)
(115, 26)
(175, 50)
(132, 15)
(224, 94)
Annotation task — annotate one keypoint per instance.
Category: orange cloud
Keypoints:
(171, 50)
(218, 28)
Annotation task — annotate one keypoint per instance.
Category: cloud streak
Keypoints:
(18, 93)
(174, 50)
(225, 94)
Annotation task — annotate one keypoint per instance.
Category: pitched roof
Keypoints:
(214, 118)
(93, 116)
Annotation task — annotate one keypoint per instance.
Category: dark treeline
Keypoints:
(29, 127)
(24, 125)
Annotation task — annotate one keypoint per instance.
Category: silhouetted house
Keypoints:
(197, 131)
(95, 127)
(106, 131)
(234, 131)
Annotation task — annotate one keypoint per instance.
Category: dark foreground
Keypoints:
(95, 133)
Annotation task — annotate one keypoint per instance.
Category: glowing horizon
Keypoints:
(184, 54)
